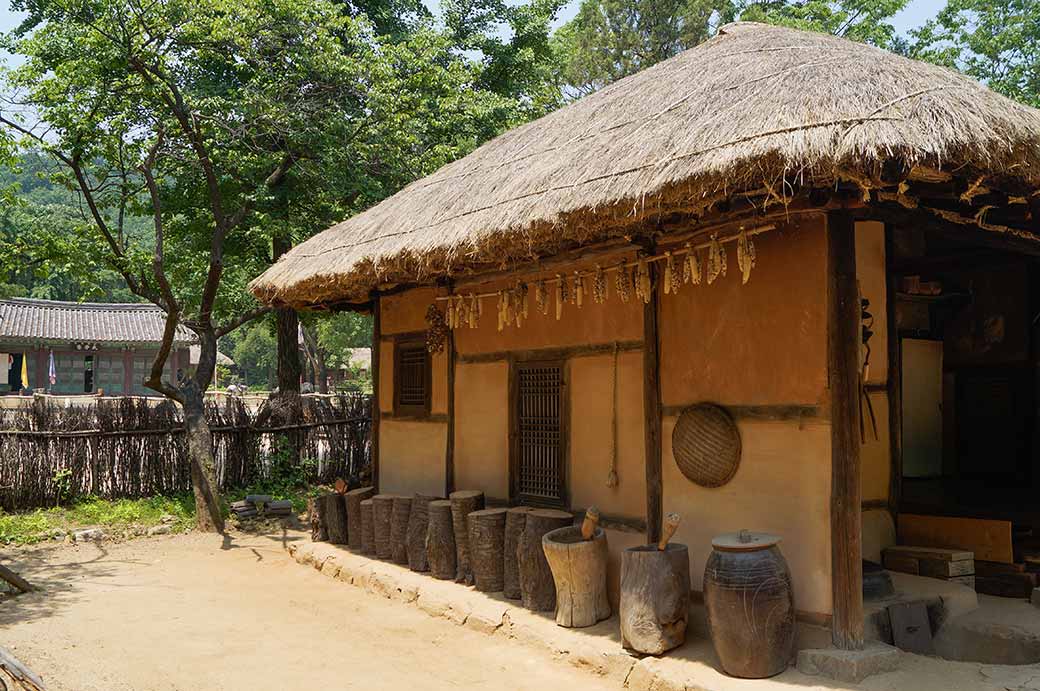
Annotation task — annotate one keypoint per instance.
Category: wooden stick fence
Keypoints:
(129, 448)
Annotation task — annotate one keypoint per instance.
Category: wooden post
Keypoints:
(652, 414)
(895, 384)
(843, 340)
(377, 334)
(449, 452)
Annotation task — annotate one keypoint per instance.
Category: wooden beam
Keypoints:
(761, 412)
(843, 340)
(376, 347)
(551, 353)
(652, 413)
(449, 451)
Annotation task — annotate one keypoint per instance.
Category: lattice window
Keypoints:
(540, 435)
(411, 378)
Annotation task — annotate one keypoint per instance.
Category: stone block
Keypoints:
(850, 666)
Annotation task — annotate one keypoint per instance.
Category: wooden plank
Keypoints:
(997, 568)
(374, 427)
(843, 342)
(940, 568)
(990, 540)
(931, 553)
(911, 630)
(902, 564)
(652, 412)
(1016, 585)
(968, 581)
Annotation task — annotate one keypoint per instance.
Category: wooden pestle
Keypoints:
(588, 526)
(671, 522)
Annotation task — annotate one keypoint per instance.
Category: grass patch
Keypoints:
(116, 515)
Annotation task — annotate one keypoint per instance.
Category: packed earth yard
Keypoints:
(198, 611)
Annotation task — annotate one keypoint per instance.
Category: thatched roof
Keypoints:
(756, 104)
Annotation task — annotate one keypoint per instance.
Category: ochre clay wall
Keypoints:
(591, 404)
(482, 427)
(411, 451)
(412, 457)
(762, 344)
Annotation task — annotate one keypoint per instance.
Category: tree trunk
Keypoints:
(537, 591)
(334, 511)
(516, 519)
(208, 517)
(486, 540)
(440, 540)
(319, 533)
(288, 331)
(368, 539)
(400, 512)
(462, 504)
(418, 526)
(382, 508)
(655, 597)
(353, 500)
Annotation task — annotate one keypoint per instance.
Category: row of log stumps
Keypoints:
(516, 520)
(353, 500)
(418, 527)
(382, 508)
(440, 540)
(334, 515)
(537, 589)
(463, 503)
(486, 544)
(401, 511)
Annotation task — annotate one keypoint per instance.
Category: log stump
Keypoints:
(401, 510)
(353, 500)
(486, 543)
(463, 503)
(440, 540)
(579, 570)
(334, 513)
(655, 597)
(318, 531)
(382, 509)
(516, 519)
(537, 591)
(368, 539)
(418, 523)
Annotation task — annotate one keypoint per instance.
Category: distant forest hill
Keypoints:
(45, 236)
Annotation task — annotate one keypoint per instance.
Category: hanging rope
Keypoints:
(612, 476)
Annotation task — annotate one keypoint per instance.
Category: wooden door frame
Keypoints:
(515, 365)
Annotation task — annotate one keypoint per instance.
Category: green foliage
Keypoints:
(256, 354)
(62, 480)
(339, 333)
(866, 21)
(286, 479)
(36, 526)
(994, 41)
(611, 39)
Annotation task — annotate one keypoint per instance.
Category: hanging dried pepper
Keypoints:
(437, 330)
(745, 256)
(716, 259)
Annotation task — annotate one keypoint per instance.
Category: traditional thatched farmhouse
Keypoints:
(703, 232)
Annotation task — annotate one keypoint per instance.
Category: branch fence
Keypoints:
(135, 447)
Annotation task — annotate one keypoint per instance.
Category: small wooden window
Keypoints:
(411, 378)
(539, 445)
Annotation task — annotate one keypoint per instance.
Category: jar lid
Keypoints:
(745, 541)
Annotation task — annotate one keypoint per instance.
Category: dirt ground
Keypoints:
(194, 612)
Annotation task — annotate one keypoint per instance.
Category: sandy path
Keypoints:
(190, 612)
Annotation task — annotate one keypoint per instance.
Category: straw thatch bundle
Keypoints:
(756, 105)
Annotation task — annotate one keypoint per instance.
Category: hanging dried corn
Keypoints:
(460, 312)
(561, 295)
(473, 311)
(745, 256)
(644, 287)
(525, 305)
(599, 286)
(501, 311)
(623, 283)
(669, 269)
(716, 259)
(579, 289)
(510, 307)
(516, 300)
(541, 298)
